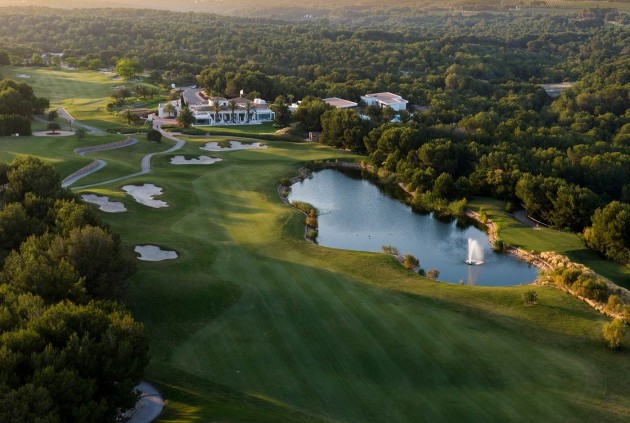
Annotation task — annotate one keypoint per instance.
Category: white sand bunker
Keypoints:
(104, 204)
(234, 145)
(23, 75)
(144, 194)
(201, 160)
(154, 253)
(50, 134)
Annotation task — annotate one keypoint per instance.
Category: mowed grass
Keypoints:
(84, 94)
(251, 323)
(546, 239)
(59, 151)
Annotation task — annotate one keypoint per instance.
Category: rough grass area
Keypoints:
(546, 239)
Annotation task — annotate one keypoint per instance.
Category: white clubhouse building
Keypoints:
(220, 111)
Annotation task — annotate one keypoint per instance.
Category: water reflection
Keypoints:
(355, 214)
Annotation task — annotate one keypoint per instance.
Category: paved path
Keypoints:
(149, 406)
(97, 164)
(145, 164)
(67, 116)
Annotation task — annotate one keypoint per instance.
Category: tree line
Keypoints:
(69, 351)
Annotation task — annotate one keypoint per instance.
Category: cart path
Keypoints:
(145, 164)
(149, 406)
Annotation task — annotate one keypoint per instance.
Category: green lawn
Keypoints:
(84, 94)
(251, 323)
(56, 150)
(546, 239)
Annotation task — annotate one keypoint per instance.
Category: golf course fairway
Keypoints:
(252, 323)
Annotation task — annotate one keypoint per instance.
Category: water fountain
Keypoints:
(475, 252)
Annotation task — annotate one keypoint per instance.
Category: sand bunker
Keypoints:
(50, 134)
(234, 145)
(144, 194)
(201, 160)
(104, 204)
(23, 75)
(154, 253)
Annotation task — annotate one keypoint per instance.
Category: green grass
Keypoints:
(546, 239)
(59, 151)
(84, 94)
(263, 128)
(251, 323)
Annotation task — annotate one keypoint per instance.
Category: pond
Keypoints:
(356, 214)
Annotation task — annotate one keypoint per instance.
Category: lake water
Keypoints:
(356, 214)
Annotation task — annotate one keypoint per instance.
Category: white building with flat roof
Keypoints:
(236, 111)
(385, 99)
(339, 103)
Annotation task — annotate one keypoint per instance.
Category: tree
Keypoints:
(169, 109)
(154, 135)
(128, 68)
(613, 333)
(232, 105)
(53, 127)
(52, 115)
(186, 117)
(610, 232)
(344, 128)
(309, 113)
(80, 132)
(29, 174)
(281, 111)
(129, 116)
(530, 297)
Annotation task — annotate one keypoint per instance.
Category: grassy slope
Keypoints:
(547, 239)
(253, 324)
(56, 150)
(84, 94)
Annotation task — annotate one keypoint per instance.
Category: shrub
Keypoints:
(499, 246)
(613, 333)
(80, 133)
(530, 297)
(483, 217)
(410, 262)
(312, 234)
(433, 273)
(614, 303)
(285, 182)
(510, 207)
(390, 249)
(154, 135)
(192, 131)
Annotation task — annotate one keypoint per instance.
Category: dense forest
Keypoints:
(69, 351)
(487, 126)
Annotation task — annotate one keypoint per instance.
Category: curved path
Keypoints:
(63, 113)
(149, 406)
(96, 164)
(145, 164)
